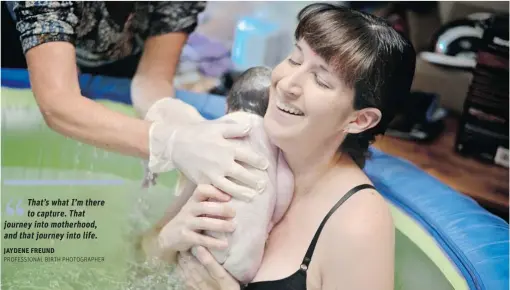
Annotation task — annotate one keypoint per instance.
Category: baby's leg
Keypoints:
(183, 191)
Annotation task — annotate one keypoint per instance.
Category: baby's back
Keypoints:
(254, 219)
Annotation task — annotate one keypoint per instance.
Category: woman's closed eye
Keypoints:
(319, 82)
(293, 62)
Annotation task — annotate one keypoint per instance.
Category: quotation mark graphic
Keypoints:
(11, 211)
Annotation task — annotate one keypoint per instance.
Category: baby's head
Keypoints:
(250, 92)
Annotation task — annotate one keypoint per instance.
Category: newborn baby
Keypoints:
(247, 101)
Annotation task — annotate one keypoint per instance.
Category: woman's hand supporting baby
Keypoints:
(203, 272)
(206, 210)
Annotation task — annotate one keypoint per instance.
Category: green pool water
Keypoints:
(39, 164)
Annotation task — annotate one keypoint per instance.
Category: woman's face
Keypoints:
(308, 103)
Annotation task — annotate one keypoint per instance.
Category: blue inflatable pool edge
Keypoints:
(118, 90)
(475, 240)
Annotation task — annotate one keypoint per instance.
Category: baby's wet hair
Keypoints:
(250, 92)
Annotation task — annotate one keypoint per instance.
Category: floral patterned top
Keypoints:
(102, 31)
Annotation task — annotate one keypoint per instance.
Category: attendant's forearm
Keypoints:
(146, 90)
(156, 71)
(54, 82)
(90, 122)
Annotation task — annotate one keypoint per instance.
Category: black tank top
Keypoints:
(297, 281)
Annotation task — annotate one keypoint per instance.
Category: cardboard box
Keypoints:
(450, 84)
(453, 10)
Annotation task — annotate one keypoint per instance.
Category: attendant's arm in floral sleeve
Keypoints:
(47, 35)
(170, 24)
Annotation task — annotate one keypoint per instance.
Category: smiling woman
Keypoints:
(327, 100)
(366, 62)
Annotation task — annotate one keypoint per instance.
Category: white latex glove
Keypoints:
(173, 112)
(201, 150)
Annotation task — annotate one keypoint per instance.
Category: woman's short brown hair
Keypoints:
(370, 57)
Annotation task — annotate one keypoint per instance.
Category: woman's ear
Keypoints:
(364, 119)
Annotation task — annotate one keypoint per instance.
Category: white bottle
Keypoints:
(263, 38)
(266, 37)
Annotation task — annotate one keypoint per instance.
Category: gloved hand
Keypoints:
(170, 111)
(202, 151)
(173, 112)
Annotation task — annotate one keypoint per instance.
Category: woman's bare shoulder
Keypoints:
(358, 240)
(364, 213)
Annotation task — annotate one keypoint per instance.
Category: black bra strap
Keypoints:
(311, 248)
